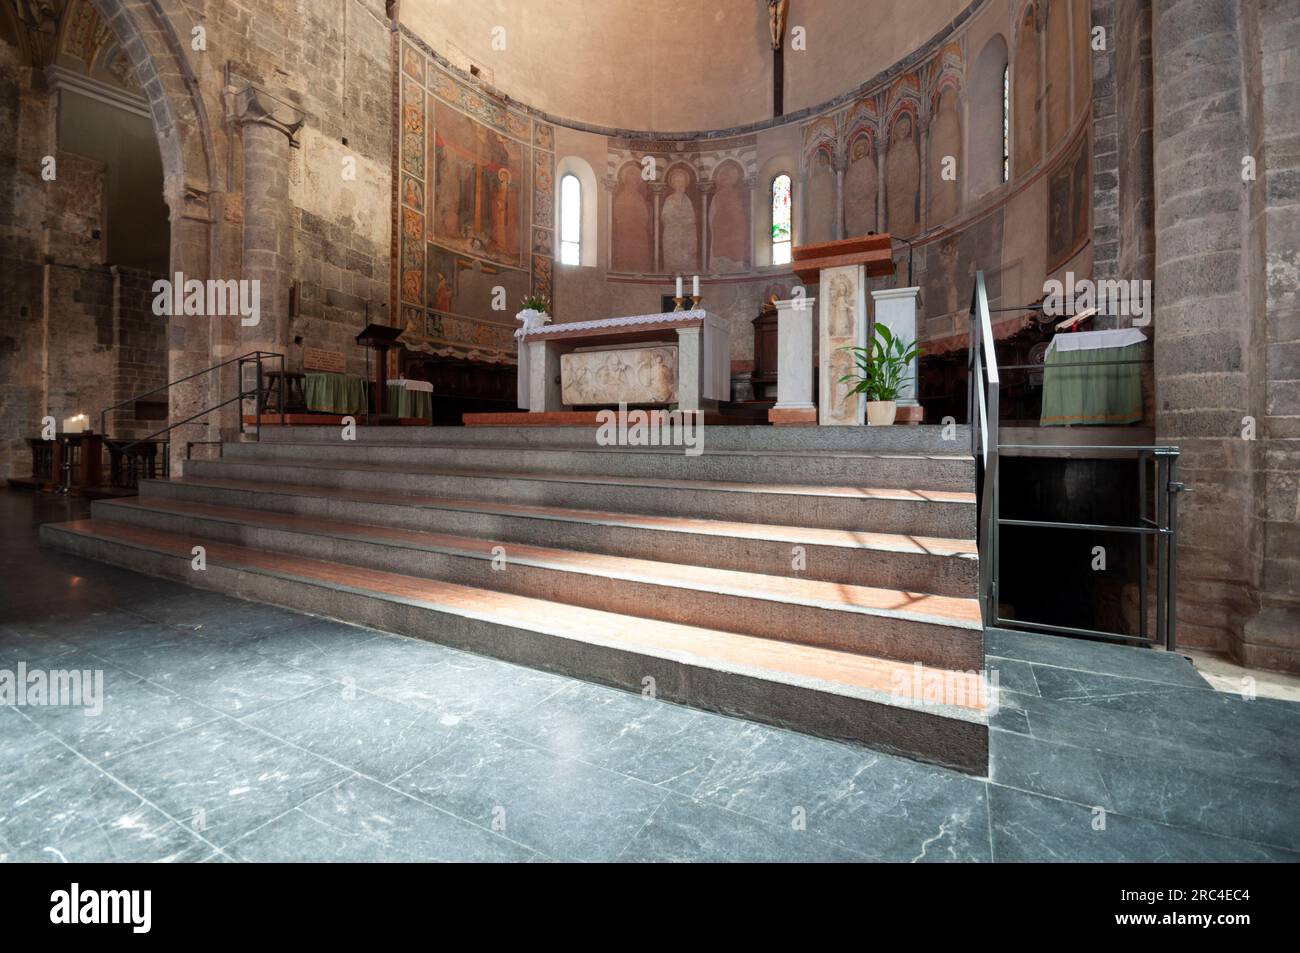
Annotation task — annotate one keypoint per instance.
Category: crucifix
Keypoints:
(776, 14)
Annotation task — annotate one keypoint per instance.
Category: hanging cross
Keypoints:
(776, 16)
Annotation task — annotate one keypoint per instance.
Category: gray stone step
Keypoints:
(941, 631)
(940, 566)
(924, 439)
(820, 468)
(944, 514)
(887, 705)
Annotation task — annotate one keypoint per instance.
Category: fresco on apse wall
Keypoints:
(681, 207)
(951, 262)
(478, 188)
(474, 208)
(729, 231)
(903, 177)
(1069, 205)
(882, 159)
(1026, 107)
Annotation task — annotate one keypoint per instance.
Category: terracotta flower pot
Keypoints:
(880, 413)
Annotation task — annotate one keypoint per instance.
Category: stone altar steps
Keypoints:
(840, 695)
(942, 513)
(943, 631)
(914, 471)
(892, 561)
(835, 557)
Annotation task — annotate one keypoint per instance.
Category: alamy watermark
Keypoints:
(1114, 297)
(65, 688)
(651, 428)
(216, 297)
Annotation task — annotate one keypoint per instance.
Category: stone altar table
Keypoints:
(674, 357)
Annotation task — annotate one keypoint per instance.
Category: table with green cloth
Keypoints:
(410, 399)
(335, 393)
(1077, 390)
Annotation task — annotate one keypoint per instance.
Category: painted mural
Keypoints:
(681, 207)
(474, 209)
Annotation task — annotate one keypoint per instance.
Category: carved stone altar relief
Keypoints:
(632, 375)
(842, 318)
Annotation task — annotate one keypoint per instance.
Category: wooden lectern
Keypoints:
(382, 338)
(840, 269)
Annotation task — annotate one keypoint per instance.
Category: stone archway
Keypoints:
(155, 35)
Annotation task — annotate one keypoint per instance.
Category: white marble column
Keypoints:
(690, 368)
(794, 357)
(543, 377)
(896, 310)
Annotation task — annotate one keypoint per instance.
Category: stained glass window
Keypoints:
(570, 220)
(1006, 124)
(781, 233)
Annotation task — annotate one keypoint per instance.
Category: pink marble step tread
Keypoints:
(851, 539)
(943, 609)
(900, 679)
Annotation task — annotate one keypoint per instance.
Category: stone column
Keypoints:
(1209, 353)
(690, 368)
(543, 377)
(794, 363)
(896, 310)
(269, 128)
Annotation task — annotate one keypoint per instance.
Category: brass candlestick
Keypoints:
(679, 301)
(695, 302)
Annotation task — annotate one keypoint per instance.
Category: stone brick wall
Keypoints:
(1226, 361)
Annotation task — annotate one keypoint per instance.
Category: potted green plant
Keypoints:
(882, 367)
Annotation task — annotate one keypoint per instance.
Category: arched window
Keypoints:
(570, 220)
(781, 219)
(1006, 123)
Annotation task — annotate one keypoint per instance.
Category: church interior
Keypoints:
(738, 430)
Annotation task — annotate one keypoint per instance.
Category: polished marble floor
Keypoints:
(234, 731)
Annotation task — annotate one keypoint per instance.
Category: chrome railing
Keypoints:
(1156, 525)
(982, 412)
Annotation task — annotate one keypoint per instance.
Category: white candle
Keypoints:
(679, 286)
(695, 286)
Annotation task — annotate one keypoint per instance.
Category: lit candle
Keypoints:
(695, 286)
(679, 286)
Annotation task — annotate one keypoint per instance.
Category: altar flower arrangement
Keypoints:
(882, 368)
(534, 311)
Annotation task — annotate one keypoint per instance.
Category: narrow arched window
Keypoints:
(570, 220)
(1006, 124)
(781, 219)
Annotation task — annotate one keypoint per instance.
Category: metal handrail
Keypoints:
(252, 357)
(1161, 527)
(983, 386)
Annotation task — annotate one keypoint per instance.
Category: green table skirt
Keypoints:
(335, 393)
(1100, 394)
(408, 403)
